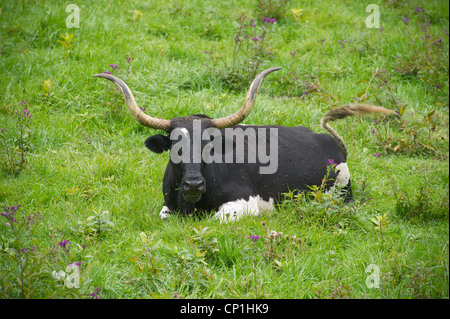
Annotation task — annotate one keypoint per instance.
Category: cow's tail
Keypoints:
(348, 110)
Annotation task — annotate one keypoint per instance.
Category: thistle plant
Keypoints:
(428, 54)
(113, 95)
(15, 145)
(250, 53)
(272, 8)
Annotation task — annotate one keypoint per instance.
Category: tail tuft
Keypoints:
(349, 110)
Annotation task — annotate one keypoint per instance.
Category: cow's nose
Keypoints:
(194, 185)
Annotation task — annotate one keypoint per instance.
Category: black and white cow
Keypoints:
(208, 170)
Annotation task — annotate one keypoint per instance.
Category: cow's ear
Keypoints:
(158, 143)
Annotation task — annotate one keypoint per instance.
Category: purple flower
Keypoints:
(437, 86)
(436, 41)
(331, 161)
(114, 66)
(373, 131)
(64, 243)
(405, 19)
(7, 224)
(96, 293)
(255, 39)
(26, 113)
(76, 264)
(23, 103)
(269, 20)
(128, 59)
(377, 154)
(2, 129)
(106, 72)
(254, 238)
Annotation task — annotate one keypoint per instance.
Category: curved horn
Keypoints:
(137, 113)
(240, 115)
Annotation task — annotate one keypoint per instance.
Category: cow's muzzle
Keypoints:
(193, 190)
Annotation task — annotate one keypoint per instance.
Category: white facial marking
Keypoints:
(164, 213)
(343, 176)
(237, 209)
(185, 132)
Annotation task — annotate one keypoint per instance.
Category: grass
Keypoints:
(88, 154)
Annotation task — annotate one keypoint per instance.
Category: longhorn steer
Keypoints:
(205, 174)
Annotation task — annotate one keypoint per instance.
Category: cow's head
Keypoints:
(189, 172)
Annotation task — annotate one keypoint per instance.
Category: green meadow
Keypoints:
(78, 186)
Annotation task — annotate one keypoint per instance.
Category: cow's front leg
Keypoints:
(164, 213)
(235, 210)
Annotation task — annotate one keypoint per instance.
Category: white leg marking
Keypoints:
(164, 213)
(237, 209)
(343, 176)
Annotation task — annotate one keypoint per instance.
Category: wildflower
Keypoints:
(373, 131)
(64, 243)
(331, 161)
(269, 20)
(375, 121)
(377, 154)
(405, 19)
(437, 86)
(114, 66)
(23, 103)
(78, 263)
(7, 224)
(381, 29)
(128, 59)
(436, 41)
(106, 72)
(254, 238)
(96, 293)
(255, 39)
(2, 129)
(292, 53)
(26, 113)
